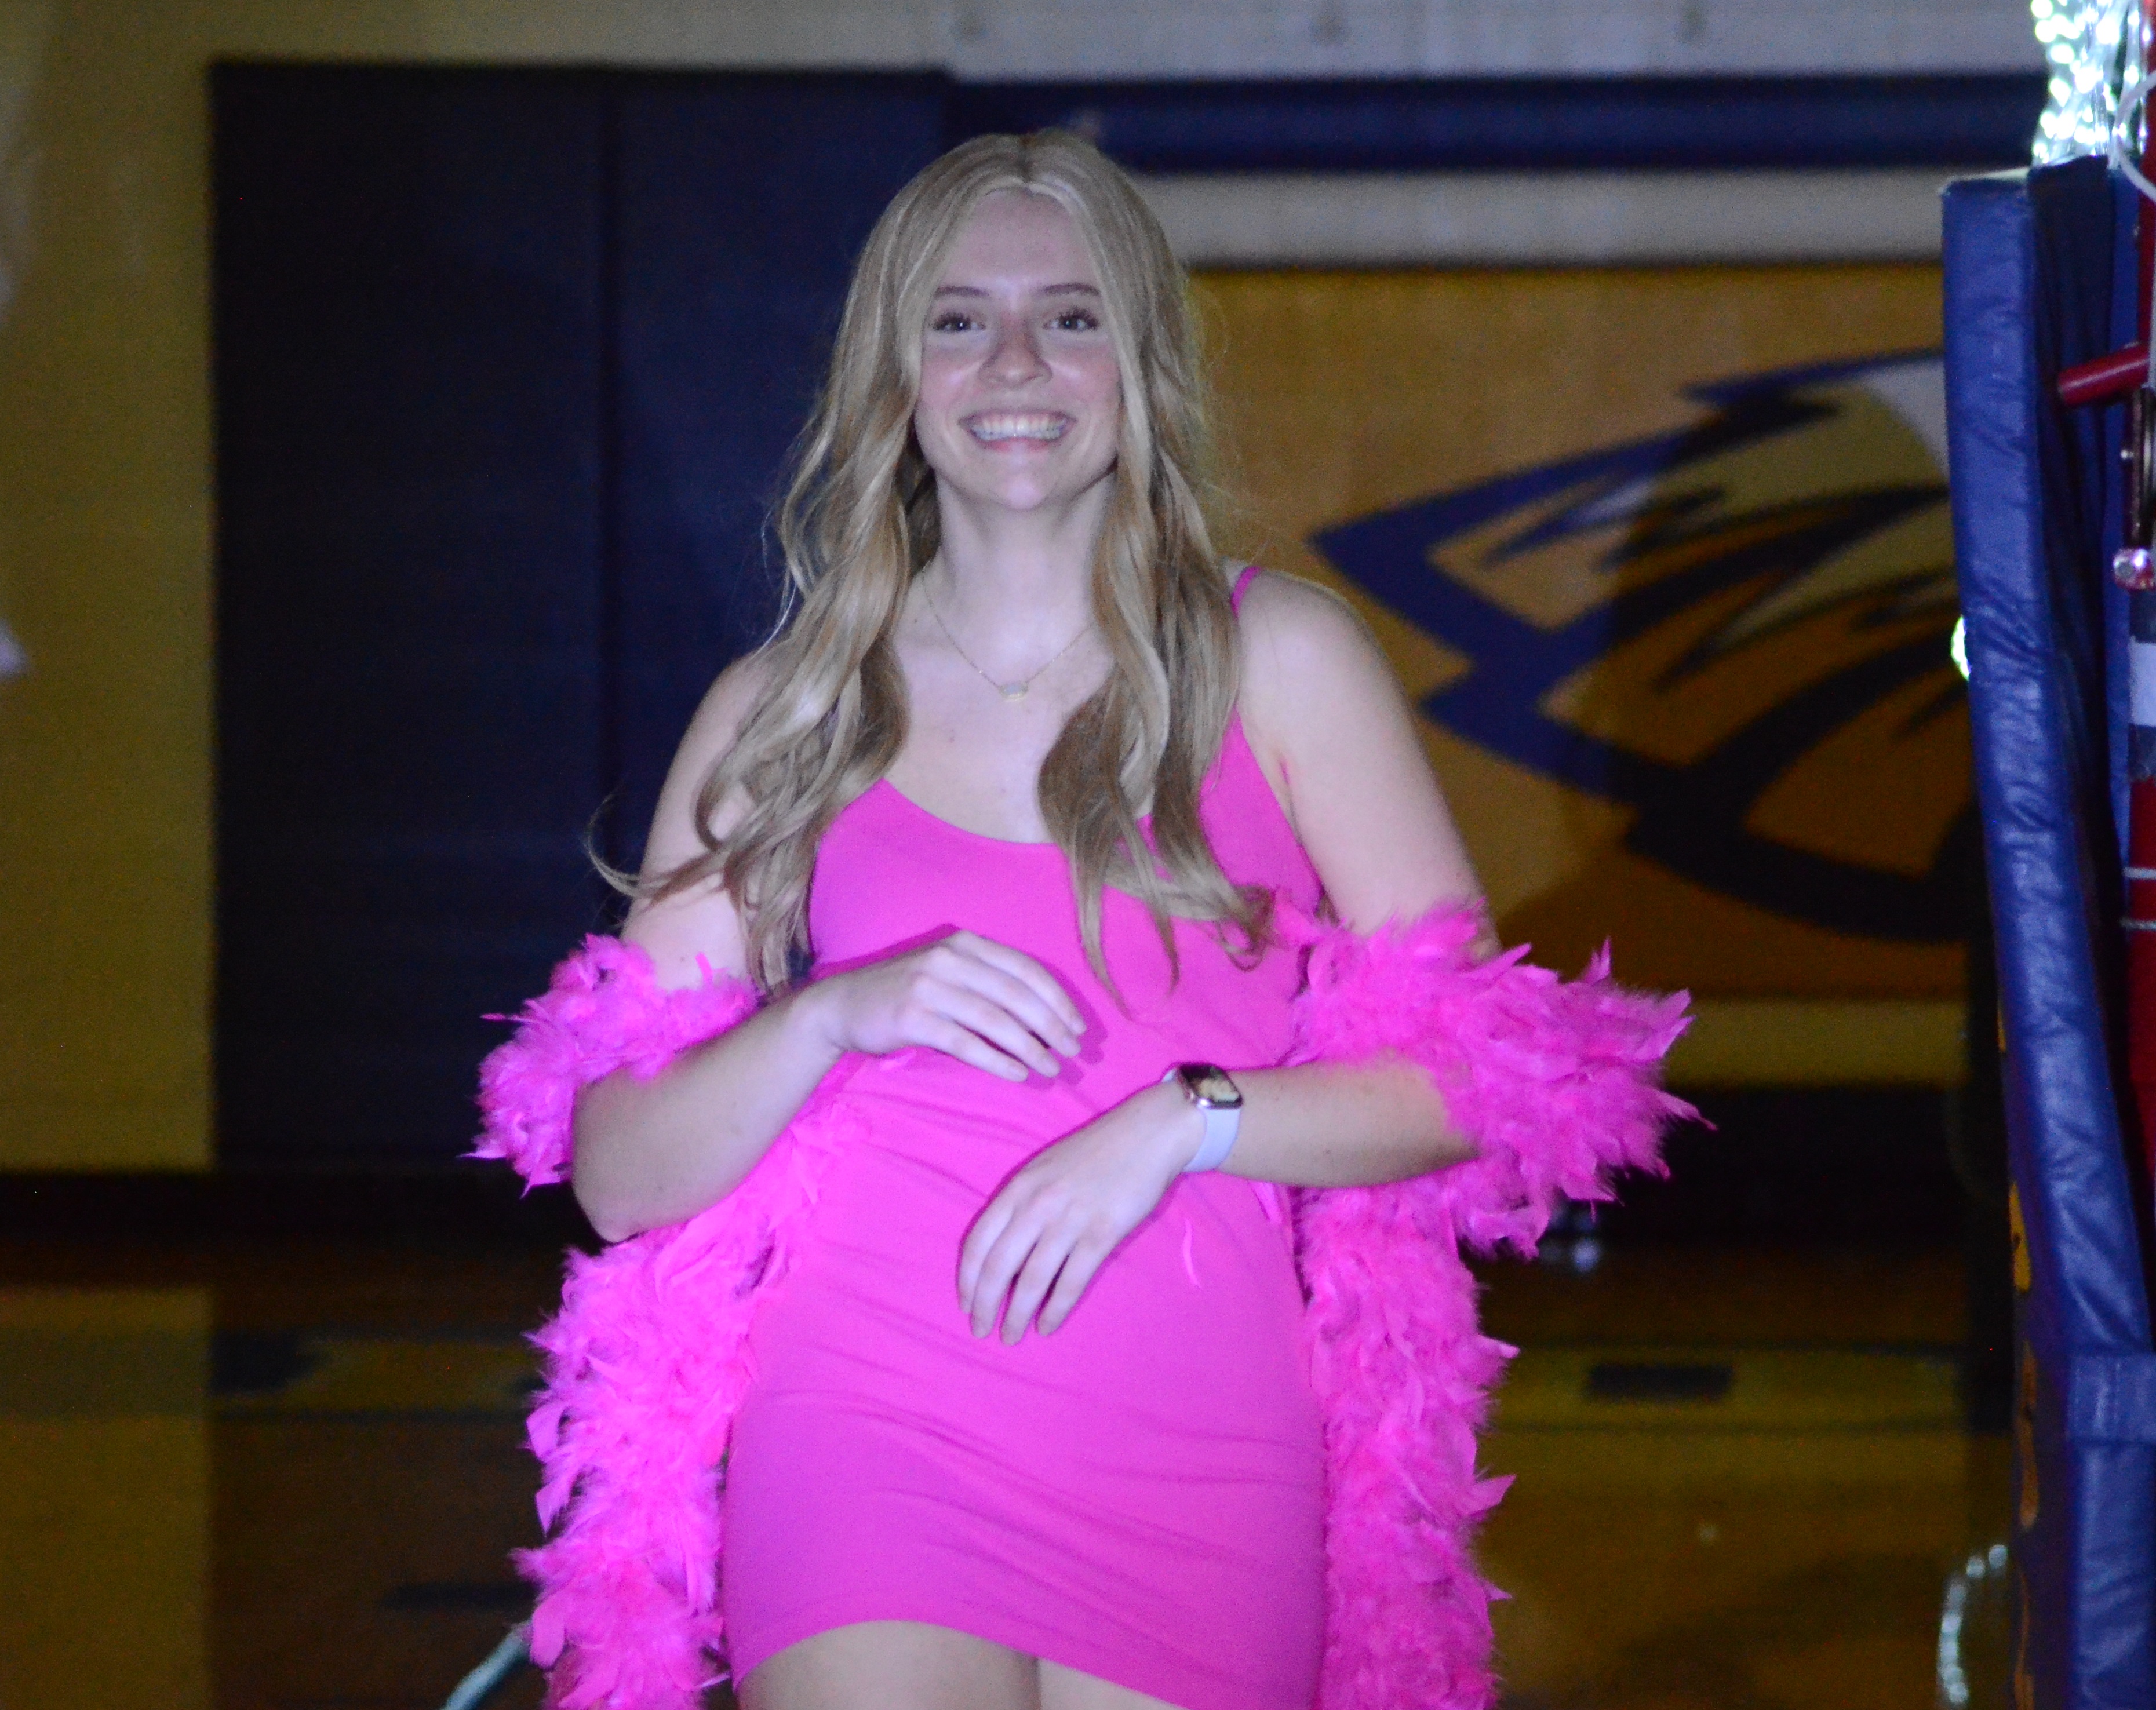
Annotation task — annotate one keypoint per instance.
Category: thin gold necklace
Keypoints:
(1009, 691)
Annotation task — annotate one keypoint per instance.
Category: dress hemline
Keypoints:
(1188, 1690)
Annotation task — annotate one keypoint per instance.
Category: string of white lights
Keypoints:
(2095, 50)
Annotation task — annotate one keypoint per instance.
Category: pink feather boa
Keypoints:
(1556, 1084)
(646, 1362)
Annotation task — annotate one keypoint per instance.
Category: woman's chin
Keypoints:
(1020, 497)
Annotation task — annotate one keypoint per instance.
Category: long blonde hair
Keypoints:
(860, 521)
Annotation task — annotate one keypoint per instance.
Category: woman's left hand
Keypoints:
(1036, 1245)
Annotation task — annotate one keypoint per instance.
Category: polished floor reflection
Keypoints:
(266, 1475)
(1757, 1507)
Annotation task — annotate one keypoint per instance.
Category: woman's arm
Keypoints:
(649, 1153)
(654, 1152)
(1037, 1245)
(1333, 734)
(1331, 730)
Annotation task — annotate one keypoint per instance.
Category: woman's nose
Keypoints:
(1016, 355)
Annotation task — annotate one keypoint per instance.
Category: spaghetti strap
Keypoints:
(1242, 581)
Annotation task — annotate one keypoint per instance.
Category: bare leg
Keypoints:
(1067, 1689)
(895, 1666)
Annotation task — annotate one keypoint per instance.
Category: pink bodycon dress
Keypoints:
(1138, 1496)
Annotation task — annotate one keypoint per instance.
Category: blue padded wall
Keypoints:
(2039, 276)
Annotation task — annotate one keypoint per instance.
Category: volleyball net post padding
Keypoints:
(2042, 276)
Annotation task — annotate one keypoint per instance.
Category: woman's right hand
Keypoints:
(969, 997)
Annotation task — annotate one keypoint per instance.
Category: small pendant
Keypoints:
(1011, 691)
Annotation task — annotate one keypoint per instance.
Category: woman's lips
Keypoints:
(999, 426)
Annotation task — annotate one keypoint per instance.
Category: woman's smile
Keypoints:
(993, 427)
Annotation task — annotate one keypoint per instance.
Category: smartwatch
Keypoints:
(1208, 1087)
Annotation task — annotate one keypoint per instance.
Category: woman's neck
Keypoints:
(1018, 575)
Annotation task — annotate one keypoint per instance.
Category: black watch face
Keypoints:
(1212, 1086)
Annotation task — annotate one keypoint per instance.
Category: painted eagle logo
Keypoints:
(1738, 631)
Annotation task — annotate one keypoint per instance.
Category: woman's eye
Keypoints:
(1076, 321)
(952, 321)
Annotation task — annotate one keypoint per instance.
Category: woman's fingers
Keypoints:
(1042, 1237)
(978, 1001)
(999, 1268)
(1030, 1287)
(973, 1252)
(1024, 1002)
(939, 1033)
(1026, 1264)
(1004, 1240)
(996, 1024)
(1037, 982)
(1085, 1259)
(1047, 1280)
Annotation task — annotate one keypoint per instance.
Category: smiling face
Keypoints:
(1020, 397)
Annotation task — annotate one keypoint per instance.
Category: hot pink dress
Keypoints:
(1138, 1496)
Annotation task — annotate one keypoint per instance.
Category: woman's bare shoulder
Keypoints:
(1326, 716)
(699, 923)
(1302, 645)
(720, 716)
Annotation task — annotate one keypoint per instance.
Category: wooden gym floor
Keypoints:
(282, 1472)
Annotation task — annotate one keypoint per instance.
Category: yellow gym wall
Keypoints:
(105, 526)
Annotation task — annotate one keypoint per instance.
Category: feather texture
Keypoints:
(603, 1011)
(1556, 1084)
(646, 1365)
(647, 1362)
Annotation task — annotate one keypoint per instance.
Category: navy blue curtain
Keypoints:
(506, 366)
(739, 204)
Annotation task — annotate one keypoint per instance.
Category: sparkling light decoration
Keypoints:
(2097, 49)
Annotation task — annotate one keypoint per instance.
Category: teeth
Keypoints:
(1018, 427)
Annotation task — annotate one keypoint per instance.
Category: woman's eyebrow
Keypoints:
(1074, 288)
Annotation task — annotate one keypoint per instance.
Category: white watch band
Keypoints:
(1223, 1119)
(1222, 1123)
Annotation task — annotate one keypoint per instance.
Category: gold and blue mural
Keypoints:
(1681, 645)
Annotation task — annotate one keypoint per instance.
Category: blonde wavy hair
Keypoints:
(859, 521)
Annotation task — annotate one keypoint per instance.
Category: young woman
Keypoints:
(974, 1014)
